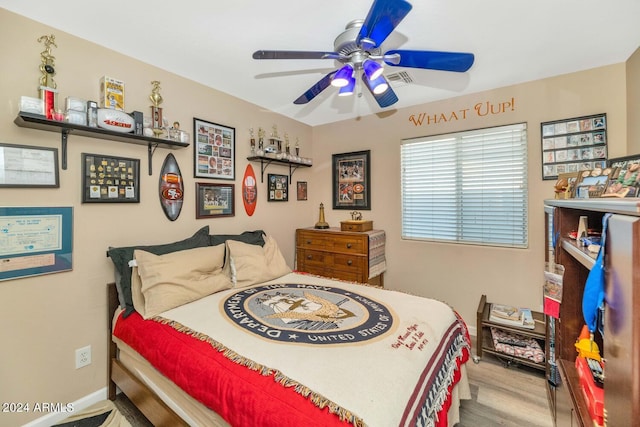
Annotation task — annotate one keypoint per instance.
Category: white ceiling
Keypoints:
(211, 42)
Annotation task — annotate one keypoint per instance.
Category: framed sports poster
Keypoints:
(352, 180)
(214, 150)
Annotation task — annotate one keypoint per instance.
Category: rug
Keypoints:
(101, 414)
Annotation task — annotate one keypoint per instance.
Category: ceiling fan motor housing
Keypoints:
(346, 45)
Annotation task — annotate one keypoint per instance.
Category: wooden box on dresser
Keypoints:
(337, 254)
(620, 341)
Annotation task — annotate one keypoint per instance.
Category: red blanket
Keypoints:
(241, 396)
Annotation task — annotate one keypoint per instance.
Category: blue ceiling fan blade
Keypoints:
(432, 60)
(386, 98)
(315, 90)
(384, 16)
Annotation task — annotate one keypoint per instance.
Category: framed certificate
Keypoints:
(49, 233)
(25, 166)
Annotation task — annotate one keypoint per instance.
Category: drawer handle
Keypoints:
(349, 262)
(309, 257)
(308, 242)
(348, 245)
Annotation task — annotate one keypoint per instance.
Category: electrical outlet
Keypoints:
(83, 356)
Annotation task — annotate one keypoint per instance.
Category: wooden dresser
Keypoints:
(342, 254)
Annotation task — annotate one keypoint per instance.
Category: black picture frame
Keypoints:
(214, 150)
(110, 179)
(215, 200)
(24, 166)
(301, 190)
(573, 145)
(352, 180)
(278, 188)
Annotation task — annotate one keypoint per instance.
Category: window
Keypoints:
(468, 187)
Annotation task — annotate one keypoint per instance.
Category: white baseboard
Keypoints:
(78, 405)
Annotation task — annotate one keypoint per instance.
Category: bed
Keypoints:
(224, 333)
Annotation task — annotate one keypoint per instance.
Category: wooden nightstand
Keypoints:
(354, 256)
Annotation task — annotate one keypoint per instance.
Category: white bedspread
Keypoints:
(375, 364)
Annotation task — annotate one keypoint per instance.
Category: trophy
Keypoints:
(297, 147)
(321, 224)
(156, 111)
(253, 142)
(47, 68)
(260, 151)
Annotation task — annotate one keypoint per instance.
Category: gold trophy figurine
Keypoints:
(47, 67)
(156, 111)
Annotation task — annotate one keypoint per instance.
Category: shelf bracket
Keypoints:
(263, 167)
(265, 163)
(151, 149)
(292, 169)
(64, 137)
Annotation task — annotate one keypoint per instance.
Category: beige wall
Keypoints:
(460, 274)
(44, 319)
(633, 103)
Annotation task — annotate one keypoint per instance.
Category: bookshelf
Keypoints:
(485, 342)
(620, 341)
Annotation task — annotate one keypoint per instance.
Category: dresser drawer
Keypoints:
(310, 258)
(349, 244)
(345, 262)
(311, 240)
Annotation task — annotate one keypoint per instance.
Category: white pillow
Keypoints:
(252, 264)
(171, 280)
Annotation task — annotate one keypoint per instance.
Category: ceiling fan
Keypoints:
(358, 48)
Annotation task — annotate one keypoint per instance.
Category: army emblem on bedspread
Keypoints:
(308, 314)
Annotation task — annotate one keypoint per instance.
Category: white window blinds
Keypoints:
(467, 187)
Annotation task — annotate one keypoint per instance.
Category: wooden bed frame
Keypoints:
(138, 393)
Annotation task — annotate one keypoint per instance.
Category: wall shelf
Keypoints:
(266, 161)
(35, 121)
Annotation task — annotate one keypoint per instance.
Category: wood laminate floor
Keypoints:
(501, 396)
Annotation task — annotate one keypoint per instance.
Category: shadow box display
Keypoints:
(573, 145)
(214, 200)
(352, 180)
(110, 179)
(278, 188)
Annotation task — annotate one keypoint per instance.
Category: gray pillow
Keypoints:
(122, 256)
(250, 237)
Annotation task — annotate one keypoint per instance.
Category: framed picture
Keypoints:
(574, 144)
(214, 200)
(214, 150)
(110, 179)
(301, 190)
(49, 233)
(566, 185)
(24, 166)
(352, 180)
(278, 188)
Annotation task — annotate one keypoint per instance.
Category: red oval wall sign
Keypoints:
(171, 188)
(249, 190)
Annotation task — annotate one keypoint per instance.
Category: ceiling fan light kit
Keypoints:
(343, 76)
(359, 49)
